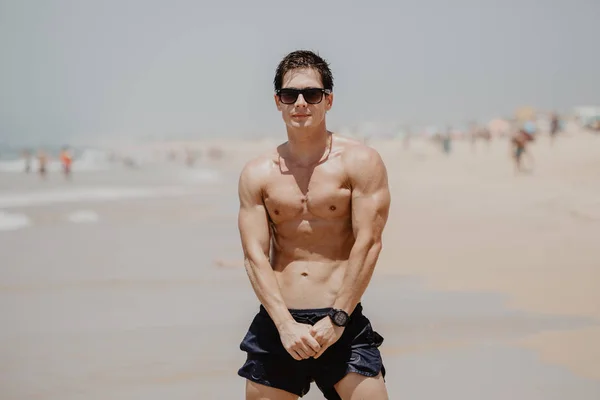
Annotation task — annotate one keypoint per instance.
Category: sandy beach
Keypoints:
(128, 283)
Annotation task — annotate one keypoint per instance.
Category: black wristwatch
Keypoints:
(339, 317)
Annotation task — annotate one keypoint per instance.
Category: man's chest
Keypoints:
(320, 194)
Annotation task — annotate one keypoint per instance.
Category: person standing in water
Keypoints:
(42, 163)
(27, 160)
(66, 160)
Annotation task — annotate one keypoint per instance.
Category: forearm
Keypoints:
(361, 264)
(266, 287)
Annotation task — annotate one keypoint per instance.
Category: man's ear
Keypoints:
(277, 103)
(329, 99)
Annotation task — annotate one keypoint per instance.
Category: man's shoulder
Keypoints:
(357, 153)
(260, 165)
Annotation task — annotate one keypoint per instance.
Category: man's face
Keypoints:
(300, 113)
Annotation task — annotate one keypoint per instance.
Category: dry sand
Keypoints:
(488, 285)
(467, 223)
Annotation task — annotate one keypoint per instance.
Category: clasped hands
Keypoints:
(303, 341)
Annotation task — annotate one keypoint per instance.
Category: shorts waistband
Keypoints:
(312, 311)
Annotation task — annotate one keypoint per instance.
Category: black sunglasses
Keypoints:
(310, 95)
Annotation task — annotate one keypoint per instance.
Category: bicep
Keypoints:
(253, 220)
(254, 229)
(370, 197)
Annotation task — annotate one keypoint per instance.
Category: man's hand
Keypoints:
(298, 341)
(326, 333)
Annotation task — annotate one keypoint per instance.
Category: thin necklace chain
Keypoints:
(325, 155)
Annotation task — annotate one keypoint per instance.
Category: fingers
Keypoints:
(301, 351)
(312, 343)
(303, 345)
(295, 355)
(323, 348)
(304, 354)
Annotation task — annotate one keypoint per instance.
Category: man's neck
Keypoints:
(306, 147)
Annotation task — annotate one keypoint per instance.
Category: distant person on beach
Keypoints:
(554, 127)
(406, 139)
(66, 160)
(190, 157)
(519, 143)
(473, 132)
(447, 141)
(486, 135)
(27, 160)
(311, 217)
(477, 132)
(215, 153)
(42, 163)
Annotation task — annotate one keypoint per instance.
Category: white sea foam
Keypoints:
(83, 217)
(92, 160)
(13, 221)
(75, 195)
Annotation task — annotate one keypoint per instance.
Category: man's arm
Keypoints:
(370, 207)
(255, 234)
(256, 242)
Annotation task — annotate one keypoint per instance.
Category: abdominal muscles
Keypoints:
(309, 259)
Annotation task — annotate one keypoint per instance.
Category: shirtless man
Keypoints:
(311, 218)
(519, 143)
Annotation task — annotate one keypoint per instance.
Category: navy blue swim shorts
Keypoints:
(269, 364)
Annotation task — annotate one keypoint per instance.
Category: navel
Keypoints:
(276, 212)
(332, 208)
(304, 274)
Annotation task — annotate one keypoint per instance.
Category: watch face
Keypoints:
(340, 318)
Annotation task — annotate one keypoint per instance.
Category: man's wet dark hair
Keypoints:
(303, 59)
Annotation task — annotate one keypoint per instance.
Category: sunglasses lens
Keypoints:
(313, 96)
(287, 96)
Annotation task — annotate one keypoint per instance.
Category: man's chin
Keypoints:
(300, 124)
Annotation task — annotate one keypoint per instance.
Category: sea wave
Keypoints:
(75, 195)
(88, 160)
(12, 221)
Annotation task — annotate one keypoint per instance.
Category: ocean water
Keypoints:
(13, 221)
(86, 160)
(96, 179)
(85, 194)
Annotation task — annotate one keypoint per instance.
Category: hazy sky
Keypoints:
(194, 68)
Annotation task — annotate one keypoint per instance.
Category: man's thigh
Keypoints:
(256, 391)
(357, 387)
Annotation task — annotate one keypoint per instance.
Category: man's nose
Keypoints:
(300, 102)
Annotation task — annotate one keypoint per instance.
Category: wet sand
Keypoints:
(488, 285)
(466, 223)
